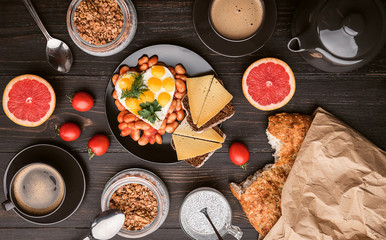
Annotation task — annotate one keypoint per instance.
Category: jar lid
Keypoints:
(351, 28)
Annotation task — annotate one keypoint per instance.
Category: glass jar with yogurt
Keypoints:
(195, 224)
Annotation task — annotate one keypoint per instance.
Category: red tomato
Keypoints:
(98, 145)
(239, 154)
(69, 131)
(82, 101)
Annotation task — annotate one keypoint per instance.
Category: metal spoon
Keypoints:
(58, 54)
(106, 225)
(204, 211)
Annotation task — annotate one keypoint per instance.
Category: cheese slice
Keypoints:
(197, 91)
(218, 97)
(187, 147)
(209, 134)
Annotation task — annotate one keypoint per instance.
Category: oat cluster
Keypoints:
(98, 22)
(138, 204)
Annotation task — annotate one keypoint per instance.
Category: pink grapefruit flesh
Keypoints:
(268, 84)
(29, 100)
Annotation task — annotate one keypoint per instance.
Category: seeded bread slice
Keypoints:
(227, 112)
(198, 161)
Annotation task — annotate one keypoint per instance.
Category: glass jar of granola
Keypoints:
(101, 27)
(142, 196)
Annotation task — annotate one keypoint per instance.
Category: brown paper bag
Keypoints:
(336, 188)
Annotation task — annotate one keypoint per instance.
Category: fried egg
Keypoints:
(161, 87)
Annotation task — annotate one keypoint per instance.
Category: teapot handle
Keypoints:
(305, 41)
(294, 45)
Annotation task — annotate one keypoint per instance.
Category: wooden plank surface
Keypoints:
(358, 98)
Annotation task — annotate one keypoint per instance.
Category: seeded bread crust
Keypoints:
(220, 132)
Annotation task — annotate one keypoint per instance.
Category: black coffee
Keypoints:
(38, 189)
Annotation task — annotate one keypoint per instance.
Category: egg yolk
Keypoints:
(164, 98)
(125, 83)
(133, 105)
(147, 96)
(158, 71)
(168, 84)
(154, 84)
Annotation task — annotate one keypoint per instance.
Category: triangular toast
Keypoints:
(198, 88)
(211, 134)
(187, 147)
(217, 98)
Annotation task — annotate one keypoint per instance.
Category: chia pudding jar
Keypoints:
(147, 179)
(195, 224)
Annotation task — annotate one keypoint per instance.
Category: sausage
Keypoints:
(171, 127)
(180, 115)
(124, 69)
(143, 60)
(180, 69)
(119, 105)
(152, 61)
(121, 115)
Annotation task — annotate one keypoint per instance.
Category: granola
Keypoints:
(98, 22)
(138, 204)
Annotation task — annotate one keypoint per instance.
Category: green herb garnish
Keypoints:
(149, 109)
(137, 88)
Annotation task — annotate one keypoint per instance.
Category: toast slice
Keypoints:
(260, 194)
(217, 98)
(198, 89)
(225, 113)
(197, 161)
(187, 147)
(211, 134)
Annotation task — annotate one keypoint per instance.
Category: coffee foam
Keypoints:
(38, 189)
(236, 19)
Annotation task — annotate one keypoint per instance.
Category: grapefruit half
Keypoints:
(268, 84)
(29, 100)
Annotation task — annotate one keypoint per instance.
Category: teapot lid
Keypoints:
(350, 28)
(345, 33)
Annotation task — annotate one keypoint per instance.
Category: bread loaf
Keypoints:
(260, 194)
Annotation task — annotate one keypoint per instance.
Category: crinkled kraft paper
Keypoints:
(336, 188)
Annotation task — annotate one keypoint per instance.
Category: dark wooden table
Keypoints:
(358, 98)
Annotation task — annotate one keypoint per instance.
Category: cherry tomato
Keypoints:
(239, 154)
(82, 101)
(98, 145)
(69, 131)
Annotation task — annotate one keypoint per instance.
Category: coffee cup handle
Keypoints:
(7, 205)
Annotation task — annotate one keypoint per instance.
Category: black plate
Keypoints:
(171, 55)
(68, 167)
(232, 48)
